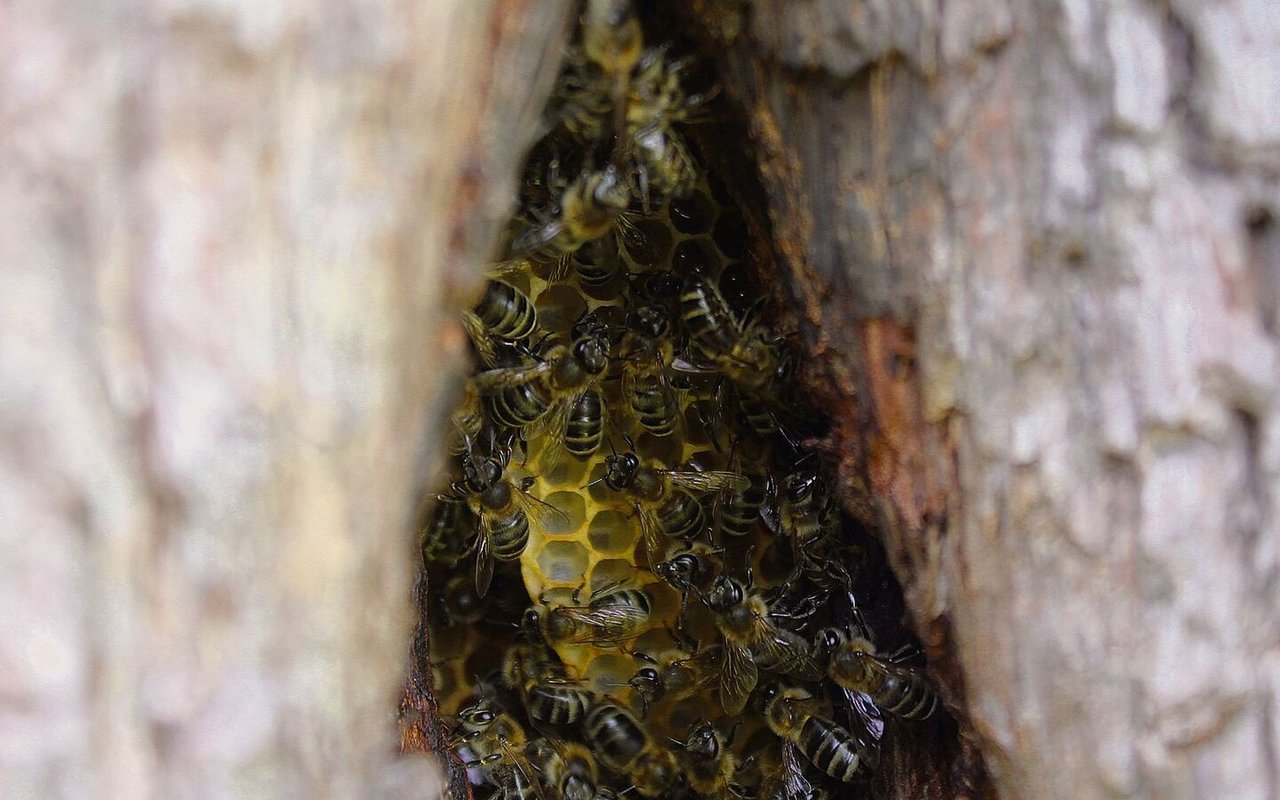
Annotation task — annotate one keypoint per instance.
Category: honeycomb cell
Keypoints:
(648, 243)
(606, 673)
(612, 532)
(563, 562)
(573, 512)
(736, 290)
(730, 234)
(693, 214)
(598, 491)
(666, 449)
(612, 571)
(696, 256)
(559, 307)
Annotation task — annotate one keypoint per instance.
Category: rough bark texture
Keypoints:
(234, 235)
(1036, 252)
(1035, 248)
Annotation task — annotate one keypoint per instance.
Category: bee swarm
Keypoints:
(638, 578)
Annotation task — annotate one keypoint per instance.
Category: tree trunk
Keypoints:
(1035, 255)
(1034, 249)
(235, 236)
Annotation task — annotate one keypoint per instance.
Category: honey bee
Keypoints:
(444, 539)
(690, 568)
(504, 314)
(746, 355)
(788, 781)
(549, 696)
(612, 39)
(587, 210)
(469, 418)
(497, 743)
(647, 352)
(460, 602)
(674, 675)
(503, 510)
(752, 642)
(894, 687)
(597, 262)
(737, 511)
(796, 716)
(548, 395)
(622, 744)
(656, 103)
(662, 498)
(710, 765)
(571, 769)
(805, 515)
(614, 615)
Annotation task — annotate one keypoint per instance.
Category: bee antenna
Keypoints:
(593, 483)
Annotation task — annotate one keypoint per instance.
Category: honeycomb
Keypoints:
(585, 262)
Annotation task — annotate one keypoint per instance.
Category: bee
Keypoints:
(584, 427)
(460, 602)
(621, 744)
(549, 395)
(469, 418)
(658, 102)
(647, 352)
(444, 539)
(795, 716)
(674, 675)
(612, 40)
(662, 498)
(752, 642)
(571, 769)
(503, 510)
(737, 511)
(710, 766)
(503, 314)
(894, 687)
(597, 262)
(533, 671)
(746, 355)
(497, 743)
(803, 513)
(587, 210)
(689, 569)
(788, 781)
(613, 615)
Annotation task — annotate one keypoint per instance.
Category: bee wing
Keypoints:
(796, 784)
(522, 772)
(480, 338)
(535, 237)
(538, 511)
(738, 677)
(709, 481)
(782, 651)
(609, 625)
(484, 558)
(495, 380)
(654, 539)
(869, 717)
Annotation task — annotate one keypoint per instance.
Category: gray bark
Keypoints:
(1035, 255)
(1034, 247)
(234, 237)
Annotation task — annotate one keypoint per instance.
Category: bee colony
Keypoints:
(639, 579)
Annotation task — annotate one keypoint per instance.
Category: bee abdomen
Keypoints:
(615, 734)
(682, 517)
(506, 312)
(742, 508)
(518, 406)
(831, 748)
(557, 705)
(710, 324)
(625, 598)
(652, 406)
(585, 429)
(509, 536)
(909, 699)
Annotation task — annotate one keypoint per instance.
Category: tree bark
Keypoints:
(1035, 255)
(235, 236)
(1034, 249)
